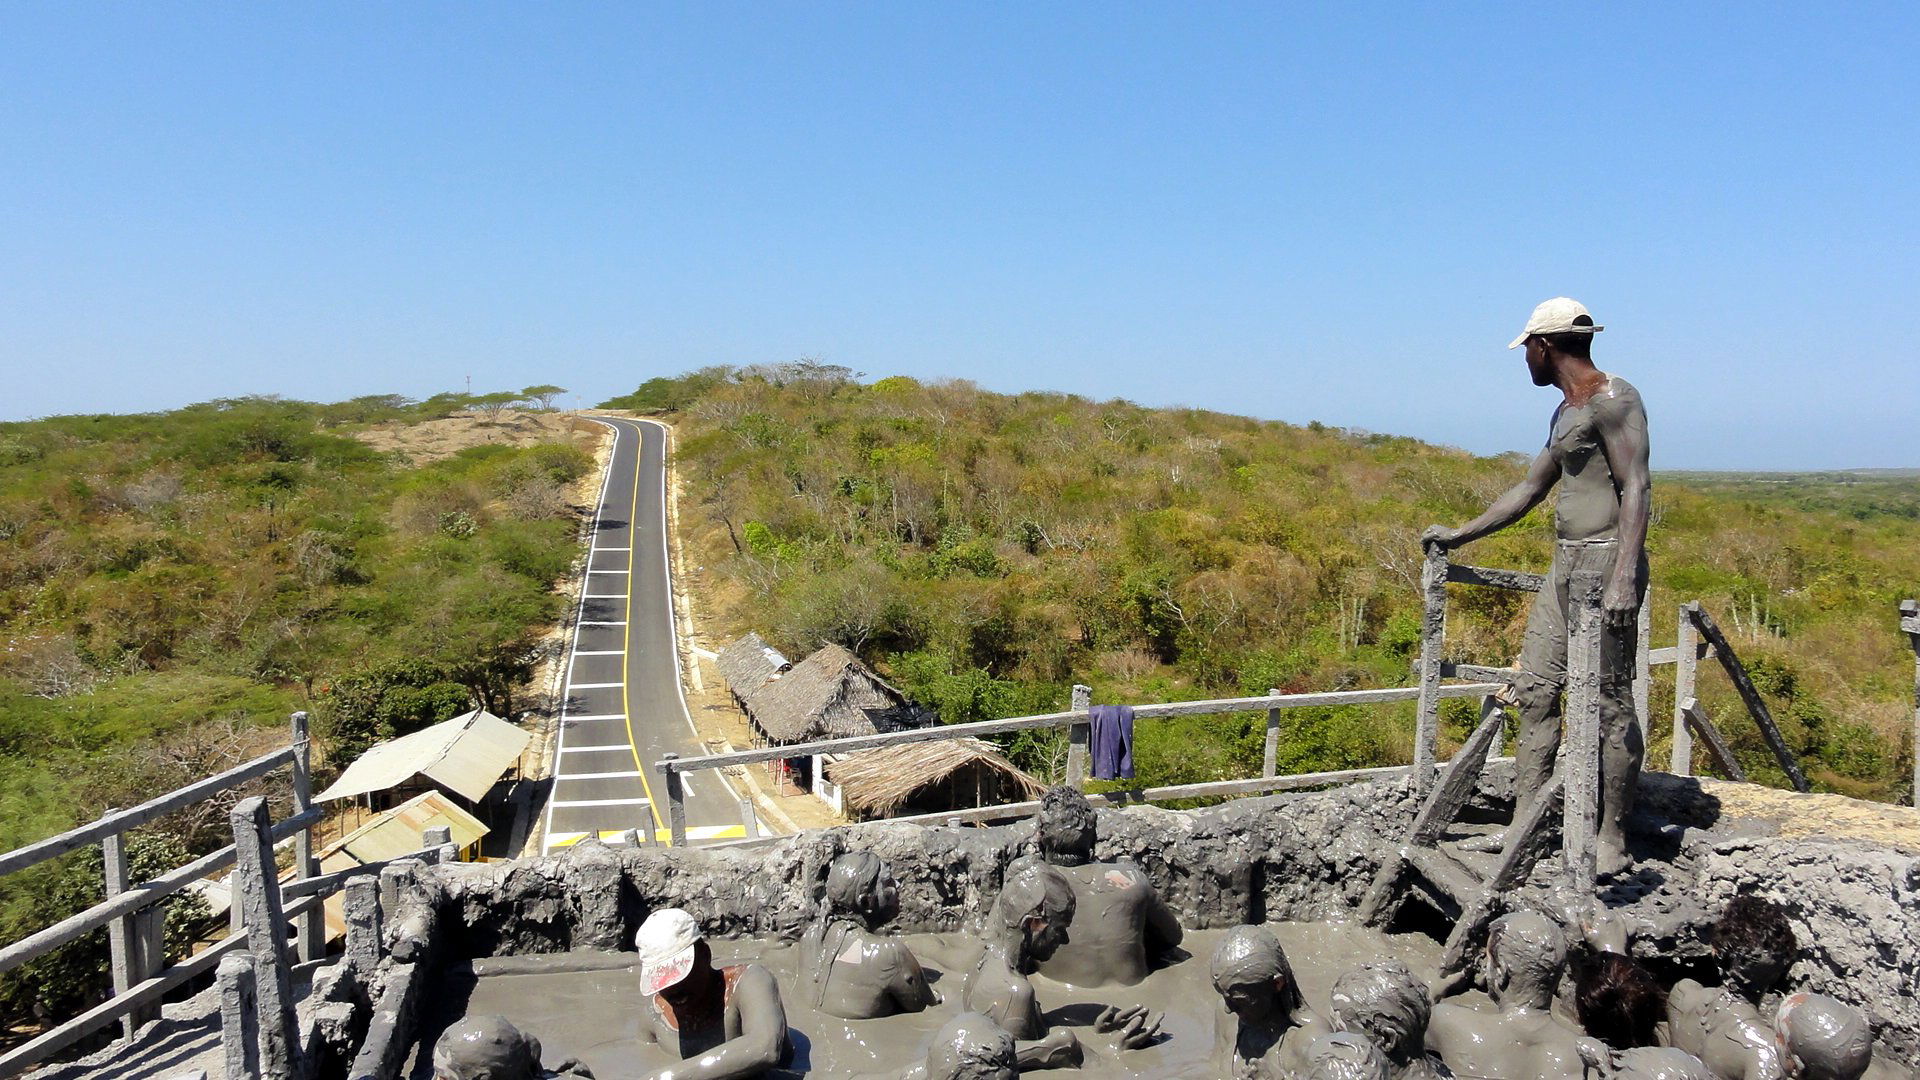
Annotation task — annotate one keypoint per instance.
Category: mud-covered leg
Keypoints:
(1622, 750)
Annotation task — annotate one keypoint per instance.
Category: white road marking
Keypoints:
(597, 775)
(603, 596)
(598, 571)
(600, 749)
(599, 652)
(599, 802)
(611, 548)
(621, 622)
(593, 716)
(571, 687)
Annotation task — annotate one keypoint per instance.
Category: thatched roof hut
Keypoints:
(928, 778)
(749, 664)
(829, 695)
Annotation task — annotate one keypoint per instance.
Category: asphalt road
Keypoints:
(622, 704)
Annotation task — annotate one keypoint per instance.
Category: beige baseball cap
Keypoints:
(1560, 315)
(666, 943)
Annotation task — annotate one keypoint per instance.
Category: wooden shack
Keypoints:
(927, 778)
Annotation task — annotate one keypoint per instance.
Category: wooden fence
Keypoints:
(133, 913)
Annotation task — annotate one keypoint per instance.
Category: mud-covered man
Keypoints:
(724, 1023)
(848, 968)
(1122, 927)
(1596, 453)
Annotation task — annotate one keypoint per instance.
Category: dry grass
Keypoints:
(432, 440)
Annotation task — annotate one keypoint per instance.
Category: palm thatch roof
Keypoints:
(828, 695)
(876, 783)
(749, 664)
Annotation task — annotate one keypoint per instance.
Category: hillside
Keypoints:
(986, 551)
(172, 585)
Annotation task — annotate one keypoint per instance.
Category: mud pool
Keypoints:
(586, 1004)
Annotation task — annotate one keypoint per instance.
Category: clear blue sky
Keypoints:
(1339, 215)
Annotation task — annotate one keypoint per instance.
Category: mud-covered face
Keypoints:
(1044, 937)
(1254, 999)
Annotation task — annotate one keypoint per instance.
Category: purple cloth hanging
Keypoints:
(1111, 741)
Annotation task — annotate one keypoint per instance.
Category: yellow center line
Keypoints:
(626, 634)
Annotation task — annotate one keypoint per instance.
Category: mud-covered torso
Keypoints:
(1723, 1030)
(1588, 507)
(703, 1033)
(1107, 941)
(848, 972)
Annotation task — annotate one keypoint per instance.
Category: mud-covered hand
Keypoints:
(1620, 605)
(1439, 536)
(1132, 1027)
(1605, 930)
(1060, 1050)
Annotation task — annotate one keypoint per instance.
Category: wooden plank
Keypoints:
(1911, 623)
(1687, 645)
(1717, 747)
(1462, 775)
(1062, 719)
(1078, 735)
(1270, 749)
(1580, 753)
(1671, 654)
(121, 820)
(53, 1041)
(1448, 878)
(1519, 580)
(1756, 705)
(1433, 638)
(310, 936)
(676, 801)
(120, 931)
(1527, 840)
(132, 900)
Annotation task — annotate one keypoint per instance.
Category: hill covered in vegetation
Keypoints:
(172, 585)
(988, 550)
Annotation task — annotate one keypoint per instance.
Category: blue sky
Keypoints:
(1338, 213)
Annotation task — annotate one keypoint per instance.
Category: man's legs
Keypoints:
(1622, 748)
(1543, 672)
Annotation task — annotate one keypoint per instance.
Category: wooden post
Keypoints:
(256, 884)
(1642, 664)
(310, 930)
(1270, 757)
(1910, 622)
(122, 942)
(1756, 705)
(676, 801)
(1433, 636)
(1078, 736)
(1686, 661)
(239, 1017)
(1717, 748)
(1580, 758)
(747, 819)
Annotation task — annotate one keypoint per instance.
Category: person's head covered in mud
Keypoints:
(1346, 1055)
(1387, 1003)
(860, 887)
(1822, 1039)
(971, 1047)
(1253, 978)
(491, 1048)
(1034, 909)
(1526, 953)
(1065, 828)
(1754, 946)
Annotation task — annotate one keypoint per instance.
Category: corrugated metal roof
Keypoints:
(396, 832)
(465, 754)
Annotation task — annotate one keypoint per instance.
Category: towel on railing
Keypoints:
(1110, 741)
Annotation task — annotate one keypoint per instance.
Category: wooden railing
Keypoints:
(133, 913)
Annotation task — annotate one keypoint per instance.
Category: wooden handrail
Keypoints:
(121, 820)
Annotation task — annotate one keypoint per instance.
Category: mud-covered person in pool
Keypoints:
(491, 1048)
(724, 1023)
(848, 968)
(1269, 1026)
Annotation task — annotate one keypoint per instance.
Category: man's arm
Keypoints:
(1623, 437)
(763, 1035)
(1507, 509)
(1163, 929)
(909, 988)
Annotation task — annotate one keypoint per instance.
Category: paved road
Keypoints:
(622, 705)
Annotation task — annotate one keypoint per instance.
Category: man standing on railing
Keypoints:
(1597, 452)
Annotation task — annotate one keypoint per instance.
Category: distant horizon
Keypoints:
(575, 401)
(1334, 212)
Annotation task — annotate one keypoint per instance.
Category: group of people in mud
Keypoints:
(1091, 924)
(1064, 914)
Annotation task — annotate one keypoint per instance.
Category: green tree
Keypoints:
(543, 394)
